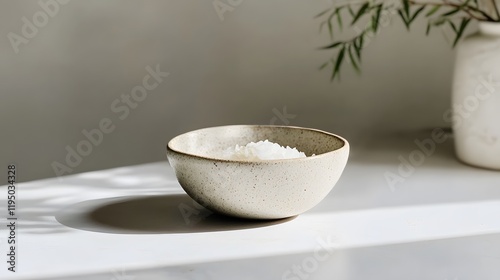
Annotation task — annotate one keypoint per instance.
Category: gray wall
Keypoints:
(243, 69)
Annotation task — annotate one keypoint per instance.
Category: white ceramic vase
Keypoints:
(476, 98)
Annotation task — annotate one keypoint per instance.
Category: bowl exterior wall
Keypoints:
(259, 190)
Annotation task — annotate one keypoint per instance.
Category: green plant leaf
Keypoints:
(339, 18)
(351, 12)
(403, 18)
(357, 48)
(353, 60)
(439, 22)
(453, 26)
(376, 18)
(406, 8)
(461, 29)
(452, 12)
(330, 29)
(329, 23)
(331, 46)
(415, 15)
(324, 65)
(322, 13)
(433, 11)
(360, 12)
(428, 30)
(338, 63)
(374, 24)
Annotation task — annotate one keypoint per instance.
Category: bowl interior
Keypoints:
(211, 142)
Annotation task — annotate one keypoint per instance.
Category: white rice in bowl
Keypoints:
(262, 150)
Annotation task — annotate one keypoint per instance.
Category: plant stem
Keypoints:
(484, 14)
(495, 6)
(466, 9)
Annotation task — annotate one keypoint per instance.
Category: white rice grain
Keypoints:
(262, 150)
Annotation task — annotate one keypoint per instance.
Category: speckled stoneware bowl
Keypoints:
(270, 189)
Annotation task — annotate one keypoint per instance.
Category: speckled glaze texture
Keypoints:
(257, 189)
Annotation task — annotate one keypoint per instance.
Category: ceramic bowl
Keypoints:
(269, 189)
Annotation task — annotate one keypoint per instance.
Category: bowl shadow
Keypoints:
(157, 214)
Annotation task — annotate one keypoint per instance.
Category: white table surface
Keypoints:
(442, 222)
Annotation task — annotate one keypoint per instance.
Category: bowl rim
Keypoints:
(344, 146)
